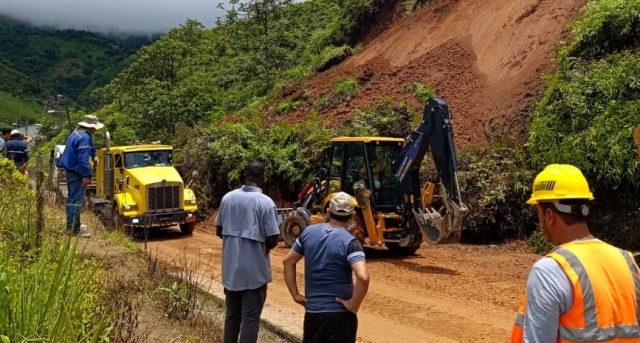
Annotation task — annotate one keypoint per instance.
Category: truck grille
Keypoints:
(164, 197)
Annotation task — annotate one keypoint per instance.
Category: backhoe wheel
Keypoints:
(411, 241)
(396, 249)
(187, 228)
(293, 227)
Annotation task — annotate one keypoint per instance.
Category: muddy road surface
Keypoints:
(450, 293)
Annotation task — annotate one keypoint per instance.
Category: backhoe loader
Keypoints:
(393, 211)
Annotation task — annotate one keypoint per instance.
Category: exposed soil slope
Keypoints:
(484, 57)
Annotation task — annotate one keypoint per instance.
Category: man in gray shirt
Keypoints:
(248, 225)
(585, 290)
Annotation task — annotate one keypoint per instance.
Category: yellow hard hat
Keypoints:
(559, 181)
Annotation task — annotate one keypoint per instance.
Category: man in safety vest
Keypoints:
(585, 290)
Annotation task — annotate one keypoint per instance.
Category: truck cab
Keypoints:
(137, 186)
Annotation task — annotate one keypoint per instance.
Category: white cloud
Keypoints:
(129, 16)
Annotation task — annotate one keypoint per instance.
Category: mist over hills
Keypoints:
(38, 62)
(133, 17)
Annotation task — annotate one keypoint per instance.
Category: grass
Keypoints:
(122, 239)
(14, 109)
(100, 289)
(48, 292)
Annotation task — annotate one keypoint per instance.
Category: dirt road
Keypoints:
(452, 293)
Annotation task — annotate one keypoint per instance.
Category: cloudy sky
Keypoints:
(131, 16)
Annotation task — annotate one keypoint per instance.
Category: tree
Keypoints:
(258, 27)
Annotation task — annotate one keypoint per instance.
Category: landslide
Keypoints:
(484, 57)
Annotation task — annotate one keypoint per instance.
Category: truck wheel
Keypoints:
(292, 227)
(115, 222)
(187, 228)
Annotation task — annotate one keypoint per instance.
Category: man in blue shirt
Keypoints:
(248, 225)
(331, 255)
(75, 161)
(17, 150)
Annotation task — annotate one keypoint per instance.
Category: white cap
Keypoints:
(341, 204)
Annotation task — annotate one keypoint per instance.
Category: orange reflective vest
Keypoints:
(606, 291)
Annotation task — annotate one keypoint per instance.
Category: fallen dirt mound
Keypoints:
(484, 57)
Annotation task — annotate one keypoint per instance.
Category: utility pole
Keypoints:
(65, 102)
(57, 102)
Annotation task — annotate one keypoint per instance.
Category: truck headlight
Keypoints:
(190, 201)
(129, 207)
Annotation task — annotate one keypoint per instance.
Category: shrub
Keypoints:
(588, 113)
(539, 244)
(587, 118)
(383, 118)
(289, 153)
(287, 106)
(346, 86)
(607, 26)
(331, 56)
(421, 92)
(495, 184)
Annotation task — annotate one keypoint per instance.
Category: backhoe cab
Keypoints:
(393, 211)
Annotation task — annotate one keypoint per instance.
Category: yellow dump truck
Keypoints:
(137, 187)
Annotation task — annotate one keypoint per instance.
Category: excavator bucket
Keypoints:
(435, 131)
(439, 229)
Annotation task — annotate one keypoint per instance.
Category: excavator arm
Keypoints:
(442, 225)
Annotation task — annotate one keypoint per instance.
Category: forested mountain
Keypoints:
(276, 79)
(36, 63)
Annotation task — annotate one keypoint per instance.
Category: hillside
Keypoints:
(488, 70)
(36, 63)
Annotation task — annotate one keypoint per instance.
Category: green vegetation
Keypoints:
(196, 75)
(495, 183)
(14, 110)
(48, 293)
(421, 92)
(539, 244)
(220, 80)
(36, 63)
(588, 112)
(343, 90)
(211, 78)
(383, 118)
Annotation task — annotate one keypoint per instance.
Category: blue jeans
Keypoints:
(75, 200)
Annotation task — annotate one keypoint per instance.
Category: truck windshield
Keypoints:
(148, 158)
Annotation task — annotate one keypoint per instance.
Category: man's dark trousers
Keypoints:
(243, 314)
(330, 327)
(75, 200)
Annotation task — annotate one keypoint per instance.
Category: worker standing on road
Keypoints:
(17, 150)
(248, 225)
(6, 133)
(585, 290)
(75, 161)
(331, 255)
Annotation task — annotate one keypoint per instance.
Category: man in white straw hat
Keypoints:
(75, 161)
